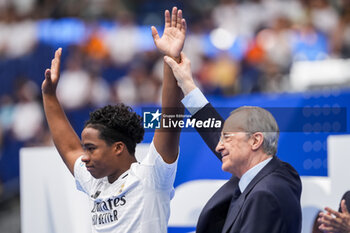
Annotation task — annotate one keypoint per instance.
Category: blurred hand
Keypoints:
(173, 38)
(334, 221)
(52, 75)
(182, 72)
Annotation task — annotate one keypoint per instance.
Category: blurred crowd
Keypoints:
(235, 46)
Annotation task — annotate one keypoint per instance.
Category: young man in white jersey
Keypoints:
(125, 195)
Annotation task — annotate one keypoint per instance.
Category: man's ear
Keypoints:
(257, 140)
(119, 147)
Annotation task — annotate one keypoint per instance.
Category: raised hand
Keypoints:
(182, 72)
(173, 38)
(52, 75)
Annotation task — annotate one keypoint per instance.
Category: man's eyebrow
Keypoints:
(87, 144)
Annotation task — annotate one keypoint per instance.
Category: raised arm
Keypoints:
(170, 44)
(64, 137)
(202, 109)
(182, 72)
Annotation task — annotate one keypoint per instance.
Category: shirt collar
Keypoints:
(249, 175)
(121, 177)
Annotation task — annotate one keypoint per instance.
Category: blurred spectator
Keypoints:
(220, 75)
(204, 75)
(121, 41)
(125, 91)
(18, 37)
(226, 15)
(27, 113)
(323, 15)
(251, 65)
(75, 82)
(271, 55)
(93, 9)
(276, 42)
(341, 36)
(22, 7)
(249, 77)
(138, 87)
(6, 112)
(309, 44)
(194, 47)
(99, 89)
(272, 78)
(95, 47)
(95, 55)
(293, 11)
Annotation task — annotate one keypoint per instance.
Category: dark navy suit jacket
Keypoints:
(269, 204)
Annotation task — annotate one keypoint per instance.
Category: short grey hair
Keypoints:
(261, 120)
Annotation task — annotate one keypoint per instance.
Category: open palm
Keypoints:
(173, 38)
(52, 75)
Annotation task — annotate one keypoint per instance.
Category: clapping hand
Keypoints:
(334, 221)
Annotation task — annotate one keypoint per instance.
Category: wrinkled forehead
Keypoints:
(236, 122)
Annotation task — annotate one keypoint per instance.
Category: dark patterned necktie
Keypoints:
(235, 196)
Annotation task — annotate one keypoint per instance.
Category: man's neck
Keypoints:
(254, 160)
(124, 166)
(249, 175)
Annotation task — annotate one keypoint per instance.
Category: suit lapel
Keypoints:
(238, 204)
(235, 208)
(270, 167)
(214, 213)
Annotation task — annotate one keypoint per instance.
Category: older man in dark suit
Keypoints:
(263, 195)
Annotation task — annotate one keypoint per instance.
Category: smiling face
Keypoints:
(241, 144)
(100, 158)
(235, 146)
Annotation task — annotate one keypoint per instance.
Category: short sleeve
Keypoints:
(82, 176)
(163, 174)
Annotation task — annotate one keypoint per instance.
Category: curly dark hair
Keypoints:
(118, 123)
